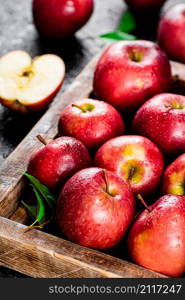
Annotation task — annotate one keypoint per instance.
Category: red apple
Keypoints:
(157, 238)
(174, 177)
(95, 208)
(162, 119)
(61, 18)
(135, 159)
(171, 32)
(92, 122)
(145, 5)
(130, 72)
(27, 84)
(58, 160)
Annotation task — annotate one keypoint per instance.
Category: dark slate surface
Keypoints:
(17, 32)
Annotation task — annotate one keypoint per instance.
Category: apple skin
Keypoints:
(95, 208)
(58, 160)
(162, 120)
(145, 5)
(174, 177)
(127, 84)
(157, 239)
(61, 19)
(37, 106)
(171, 32)
(97, 123)
(135, 159)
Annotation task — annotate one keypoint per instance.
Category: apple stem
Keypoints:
(79, 107)
(131, 173)
(42, 140)
(106, 182)
(139, 197)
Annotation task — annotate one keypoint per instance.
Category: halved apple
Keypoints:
(29, 84)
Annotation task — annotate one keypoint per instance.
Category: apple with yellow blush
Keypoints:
(174, 177)
(135, 159)
(157, 238)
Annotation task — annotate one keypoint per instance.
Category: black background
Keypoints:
(17, 32)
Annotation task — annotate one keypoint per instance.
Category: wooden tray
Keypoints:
(36, 253)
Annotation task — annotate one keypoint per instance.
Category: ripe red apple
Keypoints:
(131, 72)
(171, 32)
(95, 208)
(145, 5)
(162, 119)
(157, 238)
(92, 122)
(27, 84)
(174, 177)
(58, 160)
(135, 159)
(61, 18)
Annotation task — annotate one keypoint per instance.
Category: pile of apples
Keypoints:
(124, 146)
(102, 168)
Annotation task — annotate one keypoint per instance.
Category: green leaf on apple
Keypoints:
(118, 36)
(42, 211)
(127, 22)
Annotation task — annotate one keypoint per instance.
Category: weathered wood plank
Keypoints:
(39, 254)
(20, 216)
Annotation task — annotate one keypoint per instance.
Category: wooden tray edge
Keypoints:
(43, 255)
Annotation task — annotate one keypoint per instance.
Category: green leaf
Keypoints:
(37, 212)
(118, 36)
(40, 208)
(127, 23)
(32, 209)
(43, 211)
(42, 189)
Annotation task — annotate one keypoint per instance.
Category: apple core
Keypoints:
(135, 56)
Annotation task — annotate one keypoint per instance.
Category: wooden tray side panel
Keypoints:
(39, 254)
